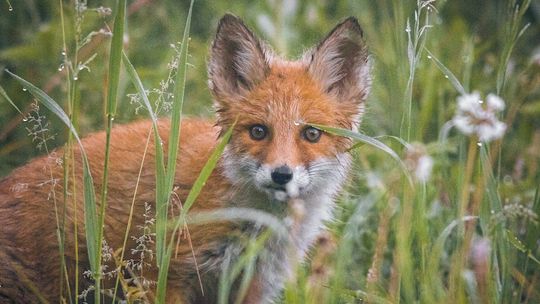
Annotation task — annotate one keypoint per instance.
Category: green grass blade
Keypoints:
(48, 102)
(401, 141)
(135, 79)
(115, 58)
(6, 97)
(192, 196)
(244, 266)
(203, 176)
(437, 253)
(501, 244)
(115, 61)
(90, 218)
(512, 35)
(513, 239)
(163, 252)
(261, 218)
(368, 140)
(91, 224)
(533, 234)
(448, 74)
(178, 102)
(174, 141)
(162, 195)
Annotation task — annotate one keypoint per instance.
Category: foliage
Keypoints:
(421, 239)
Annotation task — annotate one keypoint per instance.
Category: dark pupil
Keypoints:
(258, 132)
(312, 134)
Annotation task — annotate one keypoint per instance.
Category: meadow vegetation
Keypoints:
(443, 202)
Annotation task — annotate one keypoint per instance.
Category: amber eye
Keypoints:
(258, 132)
(312, 134)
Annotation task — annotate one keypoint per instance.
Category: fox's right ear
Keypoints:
(340, 63)
(237, 60)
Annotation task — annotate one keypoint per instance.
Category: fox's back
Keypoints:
(32, 200)
(131, 163)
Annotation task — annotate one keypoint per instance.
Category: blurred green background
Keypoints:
(31, 46)
(471, 38)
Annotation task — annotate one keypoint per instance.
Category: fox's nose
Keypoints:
(282, 175)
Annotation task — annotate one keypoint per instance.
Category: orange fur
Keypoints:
(250, 84)
(291, 99)
(27, 211)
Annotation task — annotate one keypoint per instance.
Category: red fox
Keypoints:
(275, 162)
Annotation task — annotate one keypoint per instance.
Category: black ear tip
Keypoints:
(352, 23)
(351, 19)
(228, 19)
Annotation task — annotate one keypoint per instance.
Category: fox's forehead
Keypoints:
(289, 94)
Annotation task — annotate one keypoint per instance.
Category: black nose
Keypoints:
(282, 175)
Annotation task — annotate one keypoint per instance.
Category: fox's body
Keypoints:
(274, 163)
(28, 233)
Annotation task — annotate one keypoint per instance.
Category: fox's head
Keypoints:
(273, 149)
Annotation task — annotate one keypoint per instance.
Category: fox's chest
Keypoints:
(269, 254)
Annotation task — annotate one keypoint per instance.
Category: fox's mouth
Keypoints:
(283, 193)
(276, 188)
(279, 194)
(276, 192)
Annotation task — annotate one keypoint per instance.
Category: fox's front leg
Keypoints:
(174, 295)
(255, 291)
(175, 299)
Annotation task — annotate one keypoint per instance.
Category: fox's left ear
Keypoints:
(340, 63)
(237, 60)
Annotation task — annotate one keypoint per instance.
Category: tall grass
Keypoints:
(467, 232)
(94, 222)
(88, 183)
(96, 233)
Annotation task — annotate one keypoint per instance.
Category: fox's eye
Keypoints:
(312, 134)
(258, 132)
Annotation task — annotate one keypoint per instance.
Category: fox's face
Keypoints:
(273, 148)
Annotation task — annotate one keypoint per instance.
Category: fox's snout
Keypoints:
(282, 181)
(282, 175)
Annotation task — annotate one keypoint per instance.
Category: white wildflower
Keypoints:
(419, 162)
(495, 102)
(474, 116)
(103, 11)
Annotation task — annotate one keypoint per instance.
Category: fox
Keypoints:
(275, 162)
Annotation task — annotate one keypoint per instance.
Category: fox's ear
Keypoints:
(237, 60)
(340, 63)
